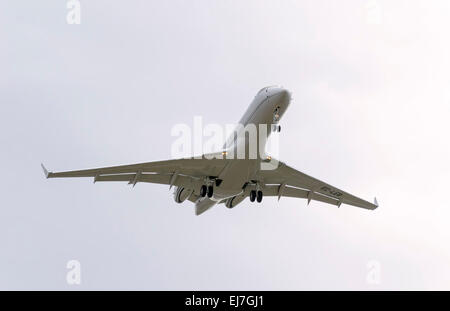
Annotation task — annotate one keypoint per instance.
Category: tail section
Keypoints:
(203, 205)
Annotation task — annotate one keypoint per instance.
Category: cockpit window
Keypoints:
(261, 90)
(264, 88)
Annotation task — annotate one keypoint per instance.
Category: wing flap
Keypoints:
(122, 177)
(291, 192)
(181, 181)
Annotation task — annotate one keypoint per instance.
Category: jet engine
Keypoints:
(181, 194)
(232, 202)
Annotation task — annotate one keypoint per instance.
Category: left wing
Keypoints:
(172, 172)
(288, 182)
(187, 173)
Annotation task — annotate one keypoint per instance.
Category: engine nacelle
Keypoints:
(180, 194)
(232, 202)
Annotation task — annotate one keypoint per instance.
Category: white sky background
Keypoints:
(370, 115)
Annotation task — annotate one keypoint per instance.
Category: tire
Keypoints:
(259, 196)
(279, 128)
(210, 191)
(252, 196)
(203, 191)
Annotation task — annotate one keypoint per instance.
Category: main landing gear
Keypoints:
(258, 195)
(206, 191)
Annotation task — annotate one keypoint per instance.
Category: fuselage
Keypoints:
(263, 115)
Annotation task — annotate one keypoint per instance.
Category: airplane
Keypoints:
(221, 179)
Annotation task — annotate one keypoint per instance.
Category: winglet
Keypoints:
(375, 201)
(45, 171)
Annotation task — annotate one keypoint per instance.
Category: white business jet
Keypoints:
(227, 178)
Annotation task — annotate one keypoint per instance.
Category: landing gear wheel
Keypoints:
(203, 191)
(279, 128)
(210, 191)
(252, 196)
(259, 196)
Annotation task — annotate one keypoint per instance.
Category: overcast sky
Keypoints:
(370, 114)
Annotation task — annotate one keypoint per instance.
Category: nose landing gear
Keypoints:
(276, 118)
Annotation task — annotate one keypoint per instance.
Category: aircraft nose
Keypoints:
(283, 95)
